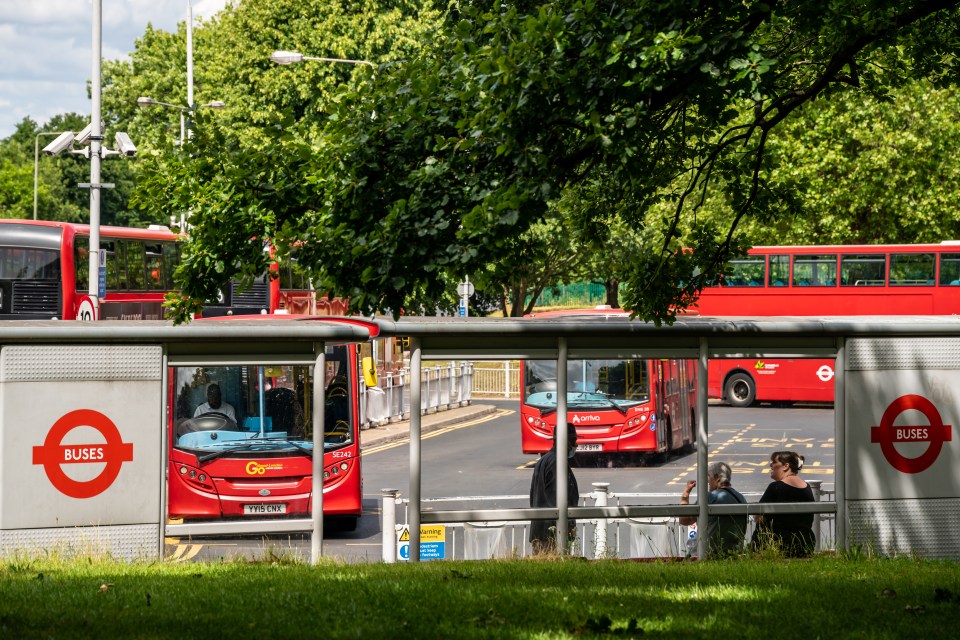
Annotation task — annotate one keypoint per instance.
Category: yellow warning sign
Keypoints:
(428, 533)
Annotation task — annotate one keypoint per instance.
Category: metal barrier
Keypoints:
(444, 387)
(612, 537)
(501, 380)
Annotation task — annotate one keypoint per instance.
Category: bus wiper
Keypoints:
(307, 452)
(602, 399)
(222, 452)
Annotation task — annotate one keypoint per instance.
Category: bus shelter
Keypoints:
(895, 381)
(93, 397)
(83, 425)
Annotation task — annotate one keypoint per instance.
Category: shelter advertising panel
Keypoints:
(902, 489)
(80, 437)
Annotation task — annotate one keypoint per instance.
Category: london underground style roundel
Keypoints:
(53, 454)
(887, 434)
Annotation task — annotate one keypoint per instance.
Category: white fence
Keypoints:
(500, 379)
(442, 387)
(650, 537)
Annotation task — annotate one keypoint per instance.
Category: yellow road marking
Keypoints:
(499, 413)
(184, 552)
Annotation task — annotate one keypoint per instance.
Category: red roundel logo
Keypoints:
(54, 454)
(936, 433)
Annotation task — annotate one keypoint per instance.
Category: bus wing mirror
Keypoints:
(369, 372)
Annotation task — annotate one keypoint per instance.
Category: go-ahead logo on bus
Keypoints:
(886, 435)
(54, 454)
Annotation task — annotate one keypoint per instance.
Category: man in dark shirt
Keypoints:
(543, 493)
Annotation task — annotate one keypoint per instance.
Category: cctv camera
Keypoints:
(84, 136)
(61, 142)
(124, 144)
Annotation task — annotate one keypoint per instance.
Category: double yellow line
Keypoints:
(499, 413)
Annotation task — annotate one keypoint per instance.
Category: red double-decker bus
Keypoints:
(632, 406)
(919, 279)
(241, 437)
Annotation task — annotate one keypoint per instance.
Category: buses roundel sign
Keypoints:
(53, 454)
(887, 434)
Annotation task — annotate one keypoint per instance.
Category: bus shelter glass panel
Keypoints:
(224, 412)
(911, 269)
(950, 269)
(863, 270)
(590, 383)
(815, 270)
(748, 272)
(779, 271)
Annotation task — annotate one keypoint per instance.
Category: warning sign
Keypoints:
(432, 541)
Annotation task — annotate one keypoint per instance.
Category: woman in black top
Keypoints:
(792, 533)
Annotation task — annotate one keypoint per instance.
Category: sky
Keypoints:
(47, 49)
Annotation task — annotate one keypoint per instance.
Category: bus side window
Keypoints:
(171, 260)
(779, 272)
(81, 262)
(950, 269)
(114, 263)
(136, 275)
(154, 267)
(911, 269)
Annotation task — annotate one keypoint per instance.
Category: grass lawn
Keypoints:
(824, 597)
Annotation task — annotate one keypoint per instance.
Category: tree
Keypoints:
(869, 170)
(243, 173)
(511, 105)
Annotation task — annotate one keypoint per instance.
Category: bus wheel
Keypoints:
(741, 390)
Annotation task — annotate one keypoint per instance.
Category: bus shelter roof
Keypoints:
(264, 338)
(617, 336)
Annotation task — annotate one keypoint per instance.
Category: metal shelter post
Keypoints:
(319, 429)
(413, 517)
(840, 445)
(703, 449)
(164, 452)
(560, 442)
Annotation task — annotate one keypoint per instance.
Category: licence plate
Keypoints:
(589, 447)
(267, 509)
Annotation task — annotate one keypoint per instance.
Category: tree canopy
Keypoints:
(488, 127)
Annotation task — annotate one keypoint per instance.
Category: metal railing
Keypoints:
(500, 379)
(653, 536)
(442, 387)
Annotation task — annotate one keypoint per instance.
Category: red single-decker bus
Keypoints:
(619, 406)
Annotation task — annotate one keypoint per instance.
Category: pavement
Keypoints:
(400, 430)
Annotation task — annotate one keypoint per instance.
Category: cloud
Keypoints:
(46, 46)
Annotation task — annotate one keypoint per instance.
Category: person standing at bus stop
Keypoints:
(543, 493)
(791, 533)
(726, 535)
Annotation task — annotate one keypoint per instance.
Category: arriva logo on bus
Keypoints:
(577, 418)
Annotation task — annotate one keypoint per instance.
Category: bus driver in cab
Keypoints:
(215, 403)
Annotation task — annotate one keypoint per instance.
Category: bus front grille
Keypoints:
(36, 297)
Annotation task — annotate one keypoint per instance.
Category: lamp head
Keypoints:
(286, 57)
